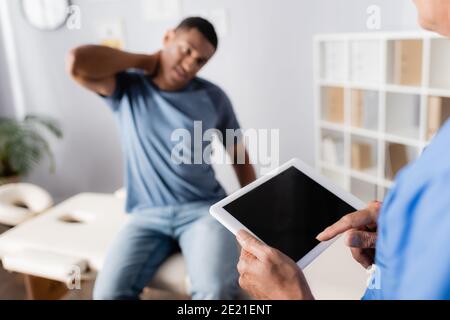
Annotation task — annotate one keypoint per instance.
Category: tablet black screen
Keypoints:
(288, 211)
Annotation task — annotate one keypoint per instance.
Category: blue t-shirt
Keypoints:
(149, 120)
(412, 250)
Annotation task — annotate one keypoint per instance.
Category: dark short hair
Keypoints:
(204, 26)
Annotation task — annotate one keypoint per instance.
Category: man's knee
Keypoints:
(216, 284)
(99, 294)
(107, 289)
(216, 290)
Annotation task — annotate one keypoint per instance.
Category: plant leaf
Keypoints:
(48, 123)
(22, 146)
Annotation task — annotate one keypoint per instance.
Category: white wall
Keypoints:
(264, 63)
(6, 101)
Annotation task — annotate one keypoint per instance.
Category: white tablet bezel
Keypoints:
(232, 224)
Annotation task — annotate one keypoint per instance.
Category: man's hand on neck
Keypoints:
(151, 65)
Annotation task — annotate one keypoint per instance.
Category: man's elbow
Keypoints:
(71, 66)
(73, 59)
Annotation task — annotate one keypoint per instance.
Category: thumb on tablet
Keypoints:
(250, 244)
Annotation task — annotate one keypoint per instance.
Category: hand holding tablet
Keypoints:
(287, 209)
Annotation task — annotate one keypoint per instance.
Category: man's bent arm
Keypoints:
(95, 67)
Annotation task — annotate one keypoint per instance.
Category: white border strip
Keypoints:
(11, 60)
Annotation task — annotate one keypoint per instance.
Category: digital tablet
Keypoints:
(287, 209)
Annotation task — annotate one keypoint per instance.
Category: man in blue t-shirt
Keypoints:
(167, 117)
(406, 236)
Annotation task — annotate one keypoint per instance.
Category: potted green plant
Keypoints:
(23, 145)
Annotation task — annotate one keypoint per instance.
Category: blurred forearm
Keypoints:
(98, 62)
(244, 169)
(245, 173)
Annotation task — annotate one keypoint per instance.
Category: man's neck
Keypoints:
(162, 84)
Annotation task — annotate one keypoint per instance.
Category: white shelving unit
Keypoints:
(375, 98)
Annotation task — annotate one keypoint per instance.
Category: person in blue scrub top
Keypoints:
(160, 105)
(406, 237)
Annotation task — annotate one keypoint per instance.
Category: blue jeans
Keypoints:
(149, 237)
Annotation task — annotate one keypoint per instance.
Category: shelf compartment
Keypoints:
(333, 109)
(438, 113)
(382, 193)
(363, 190)
(333, 61)
(332, 126)
(363, 155)
(364, 109)
(397, 157)
(403, 115)
(404, 62)
(332, 147)
(439, 66)
(365, 61)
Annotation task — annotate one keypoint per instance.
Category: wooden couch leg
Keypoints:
(44, 289)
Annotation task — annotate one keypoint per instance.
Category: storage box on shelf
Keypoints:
(364, 155)
(333, 104)
(380, 98)
(333, 148)
(437, 114)
(364, 109)
(405, 62)
(397, 157)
